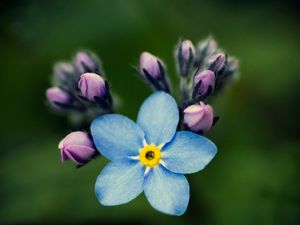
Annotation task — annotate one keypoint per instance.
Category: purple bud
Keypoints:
(198, 117)
(57, 95)
(216, 62)
(149, 63)
(187, 49)
(209, 46)
(185, 56)
(207, 78)
(78, 147)
(61, 70)
(86, 63)
(92, 85)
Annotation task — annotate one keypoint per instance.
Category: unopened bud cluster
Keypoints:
(79, 91)
(80, 88)
(204, 70)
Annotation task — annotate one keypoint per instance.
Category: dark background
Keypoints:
(255, 177)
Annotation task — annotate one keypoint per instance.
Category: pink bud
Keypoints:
(216, 62)
(209, 46)
(186, 47)
(86, 63)
(78, 147)
(57, 95)
(92, 85)
(207, 78)
(198, 117)
(61, 70)
(149, 63)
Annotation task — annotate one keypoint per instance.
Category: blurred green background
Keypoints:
(255, 177)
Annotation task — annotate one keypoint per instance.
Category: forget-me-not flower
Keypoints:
(149, 156)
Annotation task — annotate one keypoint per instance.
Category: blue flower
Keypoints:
(149, 156)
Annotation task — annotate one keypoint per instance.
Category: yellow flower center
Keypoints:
(150, 155)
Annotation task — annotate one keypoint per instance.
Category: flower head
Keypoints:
(149, 156)
(78, 147)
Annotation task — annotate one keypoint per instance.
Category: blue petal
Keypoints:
(188, 152)
(166, 191)
(120, 182)
(116, 136)
(158, 117)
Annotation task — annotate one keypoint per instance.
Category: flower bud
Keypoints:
(187, 50)
(185, 56)
(78, 147)
(92, 85)
(207, 79)
(62, 70)
(198, 117)
(57, 96)
(85, 63)
(150, 63)
(216, 62)
(205, 48)
(208, 46)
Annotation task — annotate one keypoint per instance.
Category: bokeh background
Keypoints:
(255, 177)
